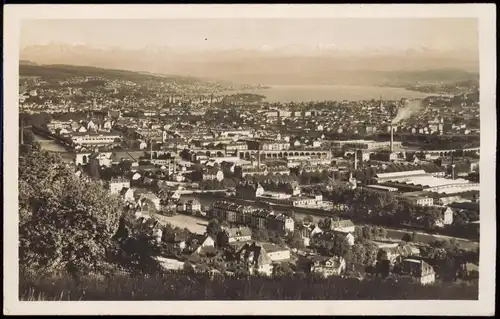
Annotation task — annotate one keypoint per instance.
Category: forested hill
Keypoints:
(61, 71)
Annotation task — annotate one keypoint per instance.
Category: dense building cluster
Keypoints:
(161, 145)
(251, 216)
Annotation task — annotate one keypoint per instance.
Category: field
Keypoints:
(194, 224)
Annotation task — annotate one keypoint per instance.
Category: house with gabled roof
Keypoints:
(127, 194)
(249, 190)
(401, 251)
(275, 252)
(256, 258)
(148, 201)
(154, 229)
(196, 241)
(177, 239)
(346, 226)
(419, 270)
(348, 237)
(117, 184)
(327, 266)
(207, 254)
(469, 270)
(193, 206)
(307, 232)
(236, 234)
(181, 206)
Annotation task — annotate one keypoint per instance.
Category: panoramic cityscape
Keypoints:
(261, 159)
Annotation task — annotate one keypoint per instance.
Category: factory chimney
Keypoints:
(452, 166)
(355, 159)
(258, 157)
(392, 138)
(151, 149)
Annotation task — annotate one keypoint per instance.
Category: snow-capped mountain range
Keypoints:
(255, 65)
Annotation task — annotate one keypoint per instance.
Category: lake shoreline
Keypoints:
(303, 93)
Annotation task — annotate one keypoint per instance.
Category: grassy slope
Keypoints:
(183, 286)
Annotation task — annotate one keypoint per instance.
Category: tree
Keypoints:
(406, 237)
(168, 233)
(381, 232)
(358, 235)
(358, 253)
(65, 223)
(371, 251)
(308, 219)
(282, 269)
(340, 246)
(135, 254)
(382, 255)
(295, 240)
(213, 228)
(367, 232)
(277, 239)
(187, 267)
(261, 235)
(409, 237)
(383, 267)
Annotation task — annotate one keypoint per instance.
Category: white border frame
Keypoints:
(486, 14)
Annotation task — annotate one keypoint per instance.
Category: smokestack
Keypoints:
(355, 159)
(258, 156)
(151, 149)
(392, 138)
(452, 166)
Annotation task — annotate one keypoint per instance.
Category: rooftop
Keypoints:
(381, 187)
(242, 231)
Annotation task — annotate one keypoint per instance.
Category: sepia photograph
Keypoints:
(248, 154)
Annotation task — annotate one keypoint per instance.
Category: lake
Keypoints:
(306, 93)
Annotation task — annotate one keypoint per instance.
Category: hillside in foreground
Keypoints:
(182, 285)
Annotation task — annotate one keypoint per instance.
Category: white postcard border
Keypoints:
(486, 13)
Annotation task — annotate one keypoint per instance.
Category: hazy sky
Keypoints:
(210, 34)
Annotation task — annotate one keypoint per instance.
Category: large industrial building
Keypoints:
(419, 180)
(368, 145)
